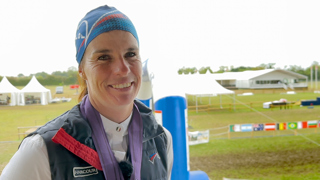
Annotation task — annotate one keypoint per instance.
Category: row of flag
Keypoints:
(274, 126)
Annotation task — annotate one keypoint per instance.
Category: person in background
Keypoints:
(108, 135)
(8, 100)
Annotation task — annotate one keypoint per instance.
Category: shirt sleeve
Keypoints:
(169, 152)
(30, 162)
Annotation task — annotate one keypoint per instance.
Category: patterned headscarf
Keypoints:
(100, 20)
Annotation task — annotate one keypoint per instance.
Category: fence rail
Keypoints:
(30, 130)
(230, 106)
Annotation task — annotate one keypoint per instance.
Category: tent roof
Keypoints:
(34, 86)
(180, 85)
(7, 87)
(202, 84)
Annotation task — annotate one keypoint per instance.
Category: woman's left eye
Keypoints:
(104, 57)
(130, 54)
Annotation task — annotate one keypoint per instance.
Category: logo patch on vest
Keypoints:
(84, 171)
(153, 156)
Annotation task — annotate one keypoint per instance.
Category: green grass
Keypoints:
(259, 155)
(7, 150)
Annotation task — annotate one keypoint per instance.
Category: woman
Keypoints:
(109, 135)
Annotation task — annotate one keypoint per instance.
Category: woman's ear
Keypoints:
(81, 73)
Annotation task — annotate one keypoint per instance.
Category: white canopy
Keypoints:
(203, 84)
(36, 89)
(180, 85)
(7, 88)
(194, 84)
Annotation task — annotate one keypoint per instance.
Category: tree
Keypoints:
(298, 69)
(42, 74)
(57, 73)
(204, 70)
(187, 70)
(72, 68)
(268, 66)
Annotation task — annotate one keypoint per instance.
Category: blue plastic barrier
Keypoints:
(174, 118)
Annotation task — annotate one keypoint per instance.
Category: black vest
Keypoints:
(66, 165)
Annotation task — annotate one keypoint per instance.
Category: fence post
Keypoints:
(18, 133)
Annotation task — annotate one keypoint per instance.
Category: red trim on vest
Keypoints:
(84, 152)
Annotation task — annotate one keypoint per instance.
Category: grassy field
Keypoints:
(260, 155)
(281, 155)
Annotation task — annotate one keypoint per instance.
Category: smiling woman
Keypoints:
(111, 66)
(108, 135)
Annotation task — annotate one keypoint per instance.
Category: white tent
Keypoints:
(7, 88)
(195, 84)
(37, 91)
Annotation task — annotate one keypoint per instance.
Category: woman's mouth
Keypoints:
(122, 86)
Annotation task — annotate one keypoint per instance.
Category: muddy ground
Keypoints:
(280, 162)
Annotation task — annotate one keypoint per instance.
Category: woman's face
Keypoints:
(111, 66)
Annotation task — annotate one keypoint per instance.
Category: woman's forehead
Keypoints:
(116, 39)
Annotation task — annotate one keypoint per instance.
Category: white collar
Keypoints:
(114, 129)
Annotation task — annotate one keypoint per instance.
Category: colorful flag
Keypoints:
(235, 128)
(292, 125)
(302, 124)
(246, 127)
(231, 128)
(270, 126)
(312, 124)
(281, 126)
(258, 127)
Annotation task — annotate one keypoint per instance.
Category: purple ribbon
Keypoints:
(109, 163)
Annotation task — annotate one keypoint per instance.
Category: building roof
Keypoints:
(250, 74)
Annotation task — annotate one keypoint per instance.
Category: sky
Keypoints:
(38, 35)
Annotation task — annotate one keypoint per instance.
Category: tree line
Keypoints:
(293, 68)
(57, 78)
(70, 76)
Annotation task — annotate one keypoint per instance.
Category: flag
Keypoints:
(231, 128)
(270, 126)
(258, 127)
(302, 124)
(235, 128)
(246, 127)
(312, 124)
(292, 125)
(281, 126)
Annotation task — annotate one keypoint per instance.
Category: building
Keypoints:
(262, 79)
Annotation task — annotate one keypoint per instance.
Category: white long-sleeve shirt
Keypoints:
(31, 161)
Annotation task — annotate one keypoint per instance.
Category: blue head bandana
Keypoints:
(100, 20)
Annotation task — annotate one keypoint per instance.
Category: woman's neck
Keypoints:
(116, 114)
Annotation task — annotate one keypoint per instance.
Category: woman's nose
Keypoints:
(121, 66)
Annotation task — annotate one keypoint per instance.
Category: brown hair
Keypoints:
(83, 88)
(83, 85)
